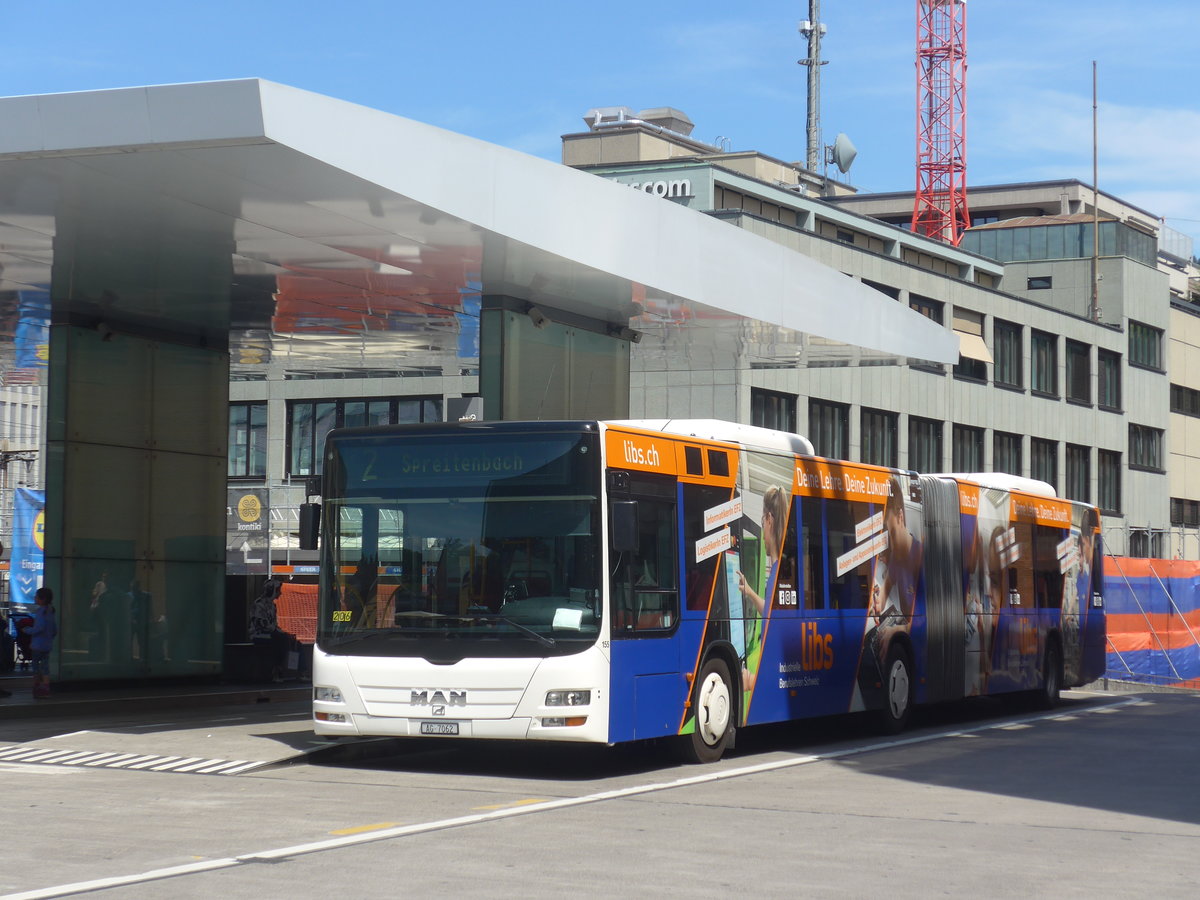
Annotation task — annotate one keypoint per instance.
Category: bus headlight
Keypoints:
(327, 694)
(568, 698)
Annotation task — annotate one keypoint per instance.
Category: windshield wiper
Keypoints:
(524, 629)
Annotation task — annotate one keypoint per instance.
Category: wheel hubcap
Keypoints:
(712, 714)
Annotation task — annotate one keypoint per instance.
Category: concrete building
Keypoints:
(1054, 382)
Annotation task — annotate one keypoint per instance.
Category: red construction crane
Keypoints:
(940, 210)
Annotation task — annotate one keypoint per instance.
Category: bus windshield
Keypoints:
(472, 543)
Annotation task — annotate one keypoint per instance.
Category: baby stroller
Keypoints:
(24, 650)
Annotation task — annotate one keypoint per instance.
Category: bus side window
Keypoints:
(814, 552)
(848, 591)
(646, 587)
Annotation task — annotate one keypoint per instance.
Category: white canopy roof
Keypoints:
(346, 227)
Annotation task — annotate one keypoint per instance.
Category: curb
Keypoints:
(81, 704)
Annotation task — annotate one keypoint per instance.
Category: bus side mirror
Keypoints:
(623, 522)
(310, 525)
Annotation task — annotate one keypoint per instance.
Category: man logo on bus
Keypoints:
(439, 698)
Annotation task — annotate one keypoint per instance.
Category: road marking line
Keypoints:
(112, 763)
(517, 803)
(221, 764)
(384, 834)
(362, 829)
(177, 761)
(136, 759)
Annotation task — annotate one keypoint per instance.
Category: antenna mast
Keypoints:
(940, 210)
(812, 29)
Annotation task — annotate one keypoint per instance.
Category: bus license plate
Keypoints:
(439, 728)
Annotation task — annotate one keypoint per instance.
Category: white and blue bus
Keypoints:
(621, 581)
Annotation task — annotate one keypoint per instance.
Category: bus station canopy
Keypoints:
(292, 226)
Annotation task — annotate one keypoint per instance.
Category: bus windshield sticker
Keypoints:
(723, 514)
(712, 544)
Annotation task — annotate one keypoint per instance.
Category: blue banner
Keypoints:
(32, 336)
(25, 574)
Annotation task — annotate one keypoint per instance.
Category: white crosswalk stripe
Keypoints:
(191, 765)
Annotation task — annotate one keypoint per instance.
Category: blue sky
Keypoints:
(522, 73)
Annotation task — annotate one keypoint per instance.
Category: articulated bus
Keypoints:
(628, 580)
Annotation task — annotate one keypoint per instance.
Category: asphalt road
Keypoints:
(1098, 799)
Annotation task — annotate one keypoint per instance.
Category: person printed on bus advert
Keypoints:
(42, 633)
(774, 520)
(898, 567)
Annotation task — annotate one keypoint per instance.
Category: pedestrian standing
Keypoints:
(41, 640)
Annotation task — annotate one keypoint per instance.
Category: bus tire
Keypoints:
(712, 708)
(897, 690)
(1052, 676)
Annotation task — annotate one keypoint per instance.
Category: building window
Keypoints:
(1006, 452)
(1039, 282)
(1043, 461)
(967, 452)
(930, 309)
(1043, 363)
(973, 352)
(893, 292)
(846, 237)
(1145, 447)
(1108, 471)
(934, 310)
(770, 409)
(1185, 512)
(1079, 372)
(247, 440)
(1007, 343)
(829, 428)
(879, 430)
(1145, 346)
(1145, 544)
(1185, 400)
(309, 421)
(1108, 379)
(924, 444)
(1079, 474)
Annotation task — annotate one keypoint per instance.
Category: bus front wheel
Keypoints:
(712, 709)
(898, 690)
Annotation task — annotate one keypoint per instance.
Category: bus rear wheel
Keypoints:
(712, 709)
(1048, 696)
(897, 690)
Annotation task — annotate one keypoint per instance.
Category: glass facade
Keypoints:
(1068, 240)
(309, 421)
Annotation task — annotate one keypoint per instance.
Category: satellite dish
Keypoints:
(841, 153)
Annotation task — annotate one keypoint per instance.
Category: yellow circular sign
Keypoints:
(249, 509)
(39, 530)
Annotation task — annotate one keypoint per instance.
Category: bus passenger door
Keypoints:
(647, 690)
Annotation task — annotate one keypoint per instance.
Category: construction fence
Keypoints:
(1153, 614)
